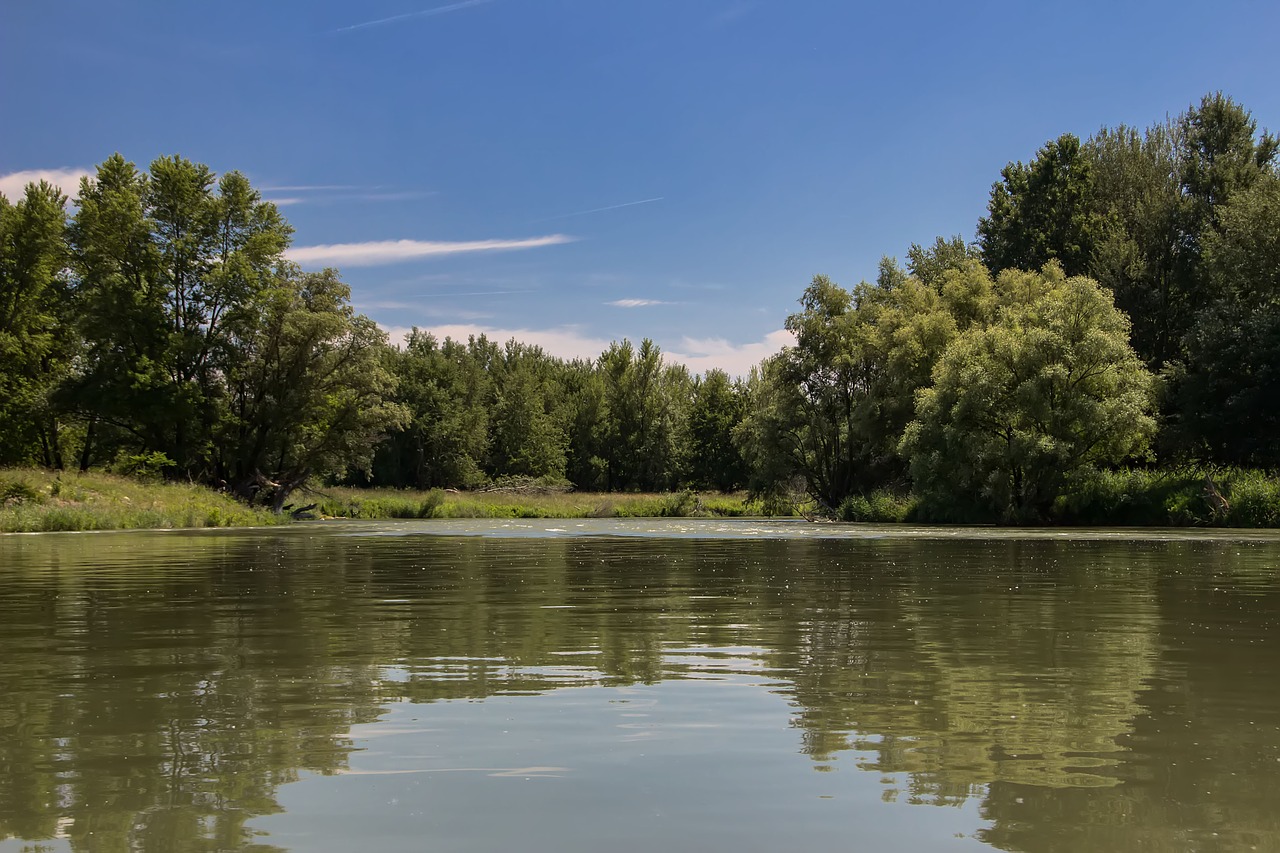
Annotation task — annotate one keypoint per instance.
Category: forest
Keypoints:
(1112, 332)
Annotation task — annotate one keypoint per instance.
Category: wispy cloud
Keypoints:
(602, 209)
(331, 193)
(378, 252)
(307, 188)
(699, 355)
(635, 303)
(424, 13)
(14, 184)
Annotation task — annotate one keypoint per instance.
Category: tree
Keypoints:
(1227, 392)
(930, 264)
(34, 333)
(642, 415)
(1141, 252)
(163, 262)
(1018, 407)
(713, 458)
(446, 392)
(308, 390)
(1041, 212)
(1220, 156)
(831, 409)
(528, 438)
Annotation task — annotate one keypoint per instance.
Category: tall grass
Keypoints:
(35, 501)
(1174, 497)
(437, 503)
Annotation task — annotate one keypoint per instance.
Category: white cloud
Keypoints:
(379, 252)
(635, 303)
(703, 354)
(699, 355)
(563, 341)
(14, 184)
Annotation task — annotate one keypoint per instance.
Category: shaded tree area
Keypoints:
(1179, 222)
(1120, 305)
(481, 413)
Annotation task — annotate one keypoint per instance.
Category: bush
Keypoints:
(879, 506)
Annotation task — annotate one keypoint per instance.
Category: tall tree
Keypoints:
(308, 390)
(1041, 211)
(713, 458)
(163, 260)
(34, 328)
(1018, 407)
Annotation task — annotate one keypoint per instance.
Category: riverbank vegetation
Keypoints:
(346, 502)
(1107, 351)
(39, 501)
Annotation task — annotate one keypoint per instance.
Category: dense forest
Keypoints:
(1120, 307)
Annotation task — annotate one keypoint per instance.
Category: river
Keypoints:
(639, 685)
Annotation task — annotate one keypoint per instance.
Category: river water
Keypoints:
(639, 685)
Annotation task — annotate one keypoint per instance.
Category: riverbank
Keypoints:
(38, 501)
(1176, 497)
(33, 500)
(439, 503)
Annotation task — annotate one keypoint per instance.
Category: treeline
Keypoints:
(1121, 305)
(157, 328)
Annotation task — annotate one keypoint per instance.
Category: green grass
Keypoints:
(1172, 498)
(35, 501)
(437, 503)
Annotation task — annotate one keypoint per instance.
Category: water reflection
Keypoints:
(158, 691)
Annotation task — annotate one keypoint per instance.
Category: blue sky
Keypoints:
(577, 171)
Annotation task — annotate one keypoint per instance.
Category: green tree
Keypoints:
(528, 436)
(1018, 407)
(446, 392)
(643, 415)
(930, 263)
(713, 459)
(163, 262)
(1141, 252)
(831, 409)
(34, 332)
(308, 389)
(1220, 156)
(1228, 390)
(1041, 212)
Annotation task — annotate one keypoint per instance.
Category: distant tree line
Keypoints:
(1120, 305)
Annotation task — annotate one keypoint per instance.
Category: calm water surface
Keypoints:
(575, 686)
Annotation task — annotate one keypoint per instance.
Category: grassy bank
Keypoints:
(1176, 497)
(34, 500)
(437, 503)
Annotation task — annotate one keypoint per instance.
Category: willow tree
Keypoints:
(1020, 406)
(308, 391)
(830, 410)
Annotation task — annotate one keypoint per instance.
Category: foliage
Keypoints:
(832, 408)
(1172, 497)
(308, 393)
(39, 500)
(1050, 389)
(1040, 212)
(35, 342)
(714, 459)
